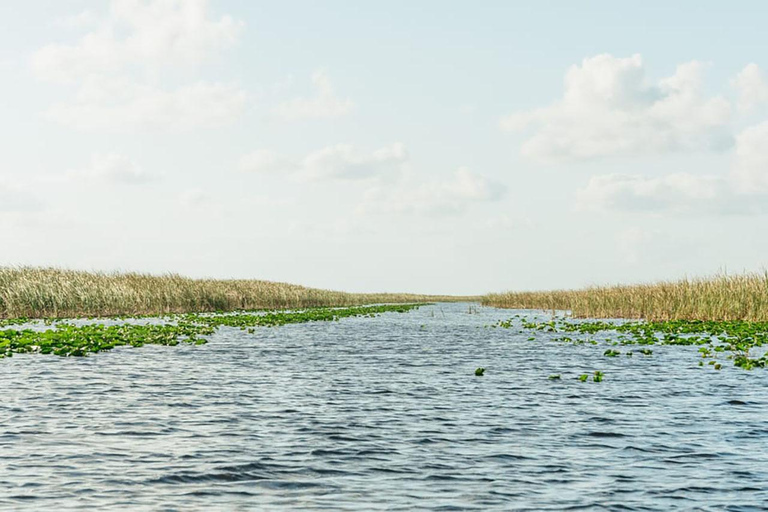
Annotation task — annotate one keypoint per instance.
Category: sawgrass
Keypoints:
(34, 292)
(723, 297)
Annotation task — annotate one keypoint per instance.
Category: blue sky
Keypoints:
(442, 147)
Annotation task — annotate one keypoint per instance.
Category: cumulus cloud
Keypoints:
(750, 171)
(676, 192)
(752, 87)
(118, 104)
(346, 162)
(743, 190)
(17, 198)
(324, 104)
(338, 162)
(451, 196)
(391, 188)
(609, 107)
(137, 39)
(137, 32)
(113, 168)
(84, 19)
(265, 161)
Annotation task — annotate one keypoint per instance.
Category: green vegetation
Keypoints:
(736, 340)
(725, 298)
(65, 339)
(56, 293)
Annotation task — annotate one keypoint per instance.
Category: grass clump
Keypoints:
(56, 293)
(723, 297)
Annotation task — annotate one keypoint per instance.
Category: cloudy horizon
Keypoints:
(423, 147)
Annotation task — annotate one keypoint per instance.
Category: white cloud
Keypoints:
(84, 19)
(610, 108)
(432, 197)
(677, 192)
(265, 161)
(752, 87)
(137, 39)
(323, 105)
(750, 170)
(113, 168)
(17, 198)
(138, 32)
(117, 104)
(339, 162)
(346, 162)
(743, 190)
(391, 187)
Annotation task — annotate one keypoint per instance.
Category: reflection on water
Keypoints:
(381, 413)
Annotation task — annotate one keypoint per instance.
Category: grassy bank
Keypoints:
(739, 297)
(56, 293)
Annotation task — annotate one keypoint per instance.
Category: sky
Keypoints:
(431, 146)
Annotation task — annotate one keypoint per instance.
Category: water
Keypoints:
(383, 413)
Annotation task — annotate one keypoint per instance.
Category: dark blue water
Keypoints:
(381, 414)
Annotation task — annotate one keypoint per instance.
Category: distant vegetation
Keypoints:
(56, 293)
(724, 297)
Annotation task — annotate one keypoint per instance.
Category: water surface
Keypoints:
(381, 414)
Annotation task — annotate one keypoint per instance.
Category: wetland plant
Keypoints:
(719, 298)
(710, 338)
(51, 292)
(66, 339)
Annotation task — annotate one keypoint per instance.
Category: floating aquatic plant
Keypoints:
(737, 337)
(66, 339)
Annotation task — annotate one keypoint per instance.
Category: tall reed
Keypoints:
(723, 297)
(51, 292)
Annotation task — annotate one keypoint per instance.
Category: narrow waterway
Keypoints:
(381, 413)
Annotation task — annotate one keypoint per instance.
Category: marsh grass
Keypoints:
(57, 293)
(723, 297)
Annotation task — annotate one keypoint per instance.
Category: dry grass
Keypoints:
(739, 297)
(51, 292)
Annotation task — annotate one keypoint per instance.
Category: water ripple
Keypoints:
(380, 414)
